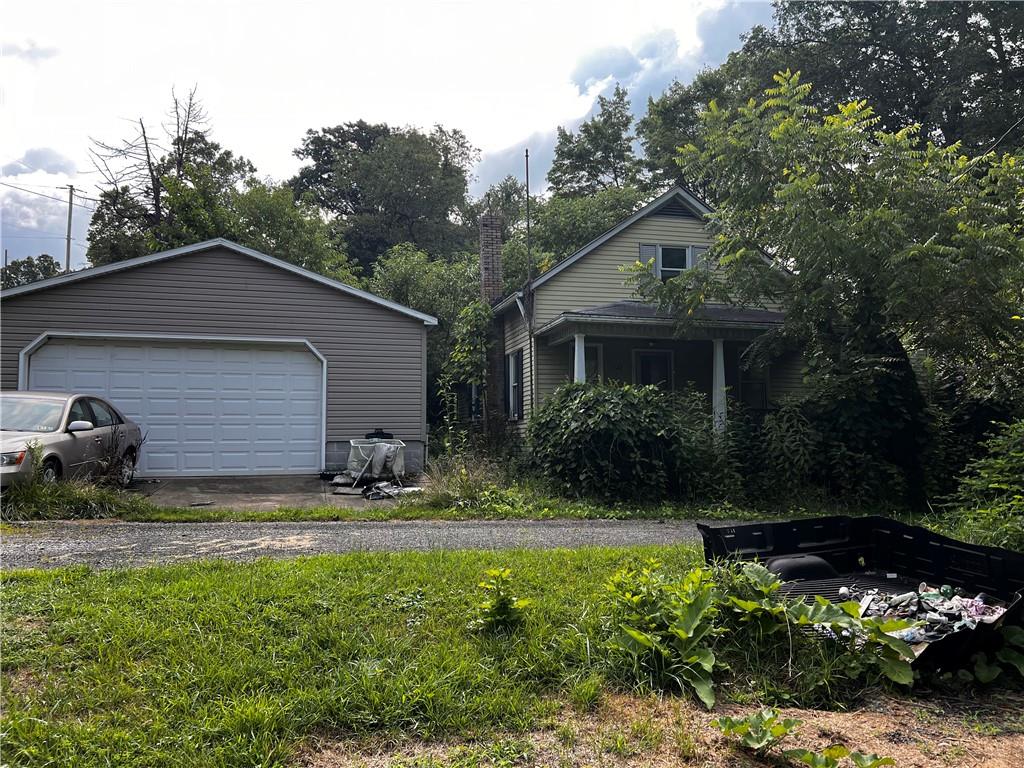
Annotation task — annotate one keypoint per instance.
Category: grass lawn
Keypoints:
(232, 665)
(346, 660)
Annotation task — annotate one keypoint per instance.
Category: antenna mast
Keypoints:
(529, 254)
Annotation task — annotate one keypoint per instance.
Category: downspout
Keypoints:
(527, 316)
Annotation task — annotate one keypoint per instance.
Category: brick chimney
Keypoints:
(491, 287)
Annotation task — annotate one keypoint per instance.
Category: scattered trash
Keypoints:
(385, 490)
(937, 612)
(201, 504)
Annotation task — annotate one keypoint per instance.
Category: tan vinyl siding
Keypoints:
(596, 278)
(554, 367)
(786, 377)
(517, 337)
(376, 374)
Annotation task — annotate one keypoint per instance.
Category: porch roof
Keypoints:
(637, 318)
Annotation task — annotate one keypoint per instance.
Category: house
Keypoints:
(234, 362)
(580, 321)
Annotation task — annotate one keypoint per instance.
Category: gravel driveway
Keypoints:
(111, 544)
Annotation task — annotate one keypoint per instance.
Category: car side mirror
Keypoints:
(80, 426)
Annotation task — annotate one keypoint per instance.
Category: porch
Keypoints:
(632, 343)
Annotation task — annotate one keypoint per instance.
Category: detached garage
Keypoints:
(232, 361)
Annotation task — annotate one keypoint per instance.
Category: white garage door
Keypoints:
(207, 408)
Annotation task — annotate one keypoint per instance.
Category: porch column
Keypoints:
(579, 369)
(718, 386)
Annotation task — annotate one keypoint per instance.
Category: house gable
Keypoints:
(208, 245)
(593, 275)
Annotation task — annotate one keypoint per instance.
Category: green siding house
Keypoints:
(580, 321)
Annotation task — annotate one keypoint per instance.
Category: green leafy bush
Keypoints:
(613, 441)
(988, 507)
(664, 626)
(758, 732)
(500, 611)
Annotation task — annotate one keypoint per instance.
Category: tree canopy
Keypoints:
(28, 270)
(956, 69)
(599, 155)
(184, 188)
(384, 186)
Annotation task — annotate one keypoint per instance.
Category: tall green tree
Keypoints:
(29, 270)
(599, 155)
(954, 68)
(385, 186)
(118, 229)
(891, 247)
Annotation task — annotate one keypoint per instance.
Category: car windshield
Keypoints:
(30, 414)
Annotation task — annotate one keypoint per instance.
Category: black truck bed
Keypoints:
(889, 555)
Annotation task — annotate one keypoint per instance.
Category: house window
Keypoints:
(514, 385)
(671, 260)
(652, 366)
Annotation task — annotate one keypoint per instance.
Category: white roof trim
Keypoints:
(218, 242)
(687, 199)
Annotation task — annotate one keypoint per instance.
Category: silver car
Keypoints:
(78, 436)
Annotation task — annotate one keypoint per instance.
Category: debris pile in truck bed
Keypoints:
(937, 612)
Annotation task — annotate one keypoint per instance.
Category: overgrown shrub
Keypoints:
(988, 506)
(665, 625)
(67, 500)
(613, 441)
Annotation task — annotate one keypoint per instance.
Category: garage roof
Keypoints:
(220, 242)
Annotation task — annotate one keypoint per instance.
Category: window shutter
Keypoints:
(507, 405)
(519, 381)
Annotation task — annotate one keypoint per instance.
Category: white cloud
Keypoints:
(27, 51)
(44, 159)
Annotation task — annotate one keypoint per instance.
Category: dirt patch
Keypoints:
(20, 681)
(663, 732)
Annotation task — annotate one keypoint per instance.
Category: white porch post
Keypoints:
(579, 370)
(718, 386)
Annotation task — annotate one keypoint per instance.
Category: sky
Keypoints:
(505, 73)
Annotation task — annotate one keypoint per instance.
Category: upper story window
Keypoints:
(671, 260)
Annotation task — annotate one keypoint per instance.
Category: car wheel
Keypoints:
(126, 471)
(51, 471)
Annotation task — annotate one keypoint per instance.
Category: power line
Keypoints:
(52, 186)
(48, 197)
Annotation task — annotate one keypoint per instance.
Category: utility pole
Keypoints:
(67, 250)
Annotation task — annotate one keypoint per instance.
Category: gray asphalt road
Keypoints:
(109, 544)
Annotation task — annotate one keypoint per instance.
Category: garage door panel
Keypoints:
(160, 461)
(205, 408)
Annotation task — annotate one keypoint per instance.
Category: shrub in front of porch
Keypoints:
(613, 441)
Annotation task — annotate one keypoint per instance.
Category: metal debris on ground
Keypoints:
(379, 491)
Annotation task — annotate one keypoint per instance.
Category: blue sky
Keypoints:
(505, 73)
